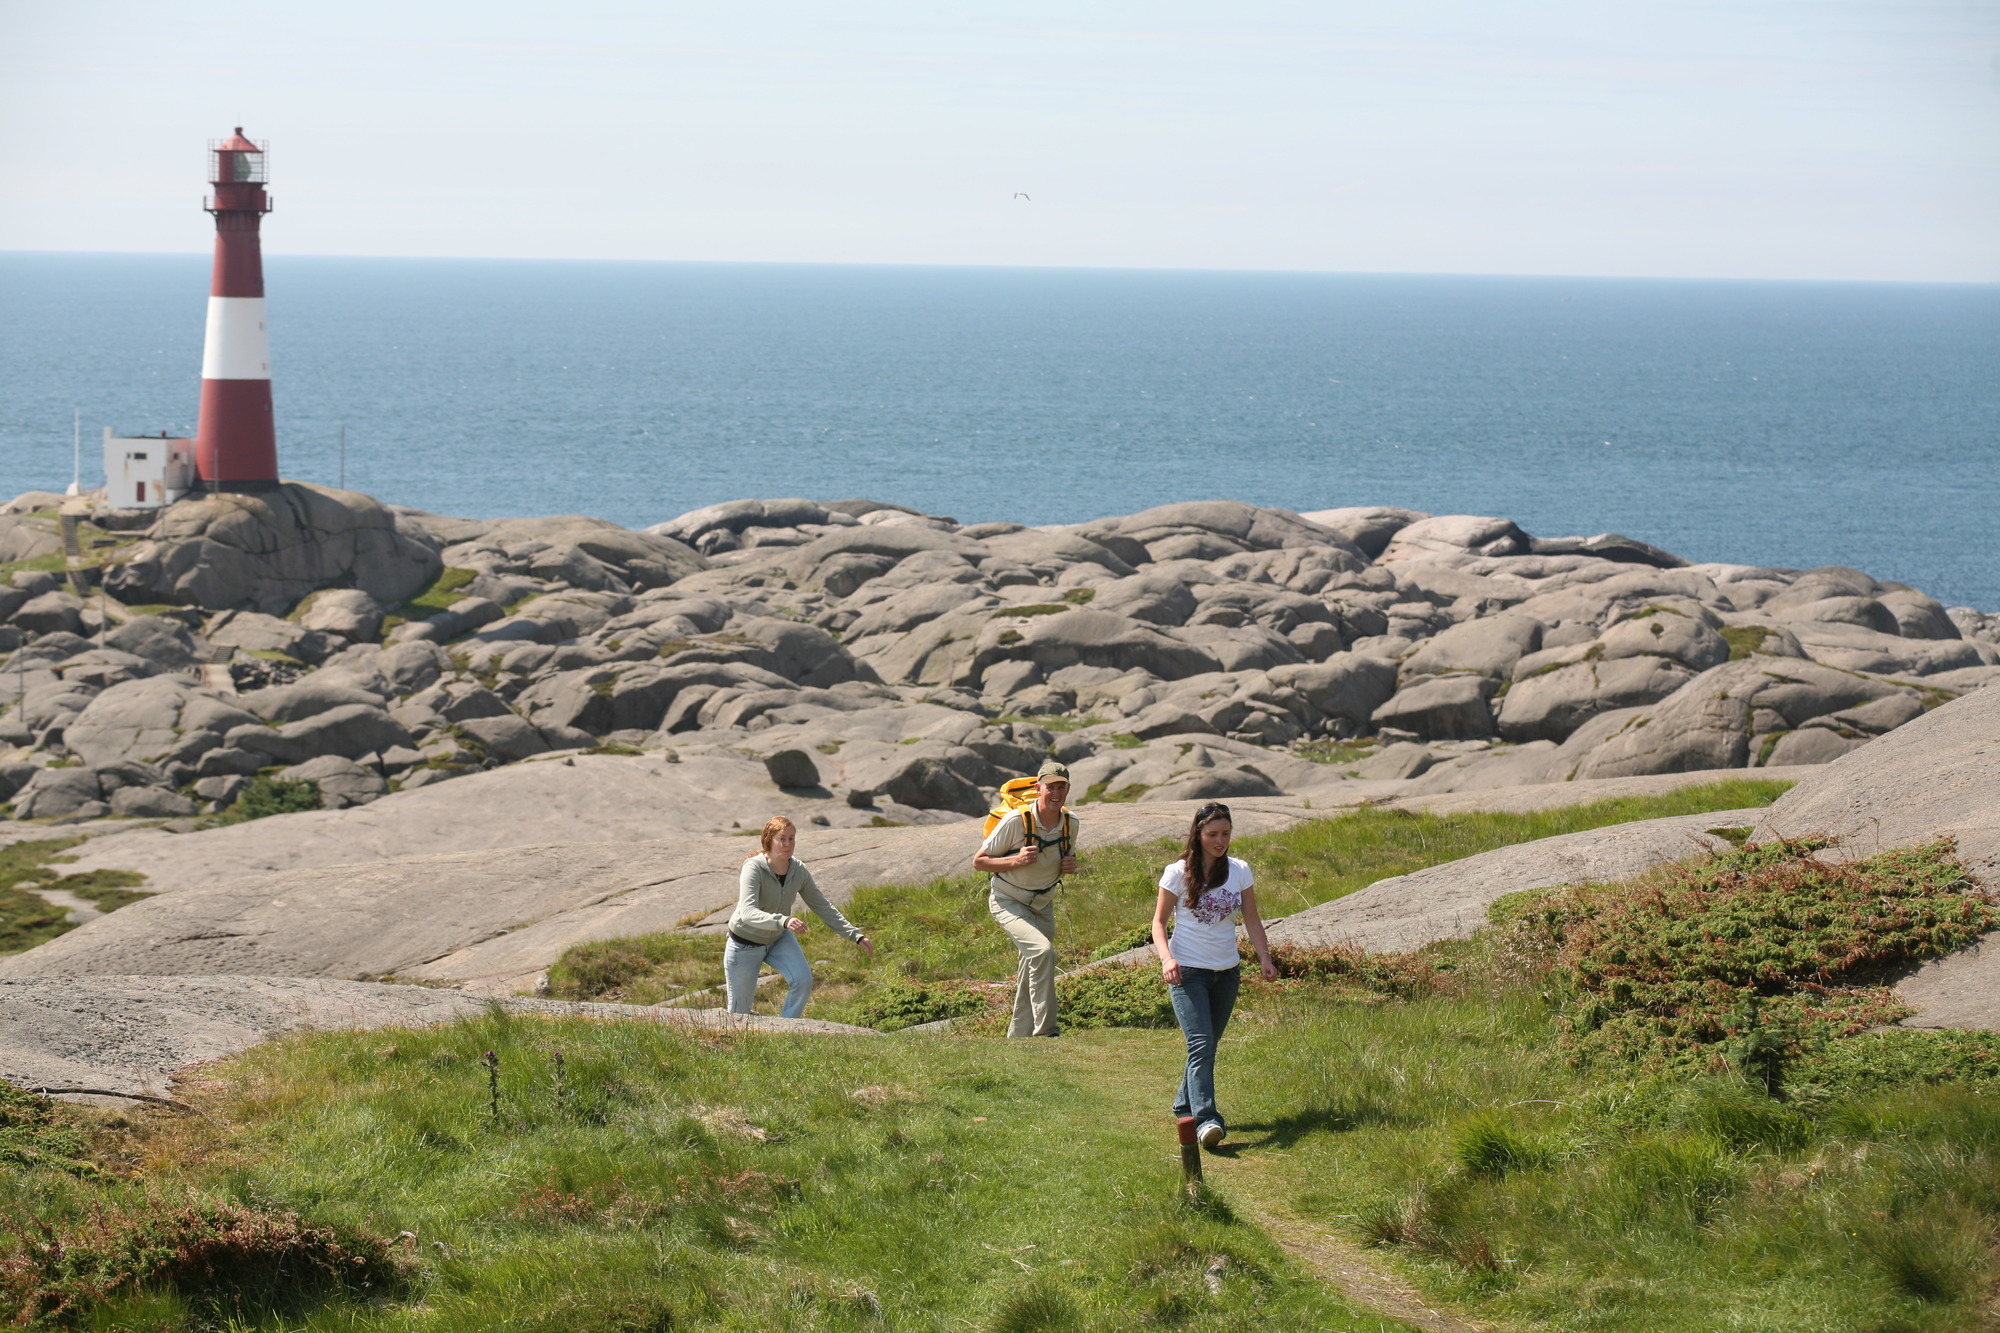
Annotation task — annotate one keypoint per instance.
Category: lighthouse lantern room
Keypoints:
(235, 445)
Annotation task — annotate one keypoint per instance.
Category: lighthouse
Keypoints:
(236, 447)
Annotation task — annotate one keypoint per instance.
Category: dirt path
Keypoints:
(1132, 1076)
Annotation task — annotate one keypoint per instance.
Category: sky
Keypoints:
(1823, 139)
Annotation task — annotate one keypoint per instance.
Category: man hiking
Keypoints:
(1027, 854)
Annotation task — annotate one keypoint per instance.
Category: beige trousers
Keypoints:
(1033, 930)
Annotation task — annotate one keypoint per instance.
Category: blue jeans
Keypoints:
(1202, 1003)
(742, 962)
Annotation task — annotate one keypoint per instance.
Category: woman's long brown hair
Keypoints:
(1198, 877)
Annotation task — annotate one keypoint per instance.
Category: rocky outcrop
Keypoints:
(1208, 646)
(267, 551)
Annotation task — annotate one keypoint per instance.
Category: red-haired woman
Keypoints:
(1200, 897)
(763, 930)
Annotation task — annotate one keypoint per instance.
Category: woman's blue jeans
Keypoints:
(1202, 1003)
(742, 962)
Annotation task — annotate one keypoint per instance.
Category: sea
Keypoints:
(1793, 424)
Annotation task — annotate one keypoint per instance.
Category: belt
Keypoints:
(750, 944)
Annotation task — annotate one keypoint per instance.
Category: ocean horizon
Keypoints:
(1788, 423)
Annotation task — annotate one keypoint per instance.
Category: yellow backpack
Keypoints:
(1019, 794)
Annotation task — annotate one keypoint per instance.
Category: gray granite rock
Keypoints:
(266, 551)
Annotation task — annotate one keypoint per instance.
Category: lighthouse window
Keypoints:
(138, 458)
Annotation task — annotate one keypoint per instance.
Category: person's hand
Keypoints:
(1028, 856)
(867, 944)
(795, 925)
(1171, 971)
(1270, 969)
(1069, 865)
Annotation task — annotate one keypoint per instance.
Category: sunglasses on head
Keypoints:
(1213, 810)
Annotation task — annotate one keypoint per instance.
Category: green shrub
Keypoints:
(1115, 997)
(219, 1257)
(265, 795)
(638, 969)
(1904, 1057)
(35, 1132)
(1751, 958)
(905, 1004)
(1134, 938)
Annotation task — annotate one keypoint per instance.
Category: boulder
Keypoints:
(409, 667)
(643, 697)
(1404, 759)
(1147, 597)
(150, 803)
(1708, 722)
(1554, 703)
(1087, 637)
(1176, 531)
(1454, 535)
(314, 694)
(1241, 647)
(1857, 648)
(1936, 776)
(590, 548)
(348, 613)
(1442, 708)
(341, 782)
(265, 551)
(14, 775)
(1213, 784)
(1607, 546)
(28, 536)
(349, 731)
(1347, 686)
(50, 613)
(1166, 719)
(159, 640)
(60, 793)
(738, 515)
(1368, 527)
(932, 784)
(257, 633)
(161, 720)
(1040, 548)
(505, 737)
(1488, 646)
(1918, 616)
(103, 667)
(793, 769)
(1812, 745)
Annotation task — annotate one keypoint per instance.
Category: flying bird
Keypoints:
(1019, 195)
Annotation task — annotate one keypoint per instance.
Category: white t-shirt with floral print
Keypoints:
(1205, 934)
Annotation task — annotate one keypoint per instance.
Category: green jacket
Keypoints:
(763, 902)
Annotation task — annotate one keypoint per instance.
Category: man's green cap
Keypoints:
(1052, 769)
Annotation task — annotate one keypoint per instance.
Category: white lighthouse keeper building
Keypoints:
(146, 471)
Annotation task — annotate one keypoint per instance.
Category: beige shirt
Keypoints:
(764, 902)
(1008, 837)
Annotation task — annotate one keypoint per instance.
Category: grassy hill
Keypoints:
(1659, 1107)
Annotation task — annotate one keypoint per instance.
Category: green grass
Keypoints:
(1338, 753)
(942, 931)
(265, 795)
(444, 590)
(628, 1177)
(26, 919)
(1445, 1108)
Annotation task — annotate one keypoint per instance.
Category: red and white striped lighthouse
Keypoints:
(236, 445)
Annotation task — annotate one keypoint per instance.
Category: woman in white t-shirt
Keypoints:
(1201, 895)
